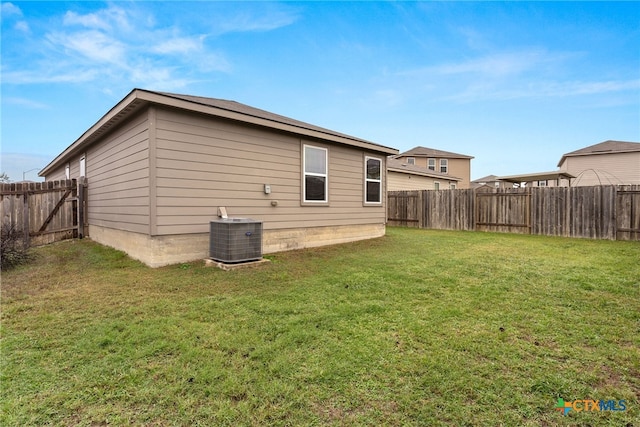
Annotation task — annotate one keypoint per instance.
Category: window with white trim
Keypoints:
(431, 164)
(444, 166)
(373, 180)
(67, 171)
(453, 186)
(436, 185)
(411, 160)
(542, 183)
(315, 176)
(83, 165)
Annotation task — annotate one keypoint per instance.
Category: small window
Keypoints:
(67, 171)
(83, 166)
(542, 183)
(373, 180)
(431, 164)
(436, 185)
(452, 186)
(315, 174)
(444, 166)
(411, 160)
(497, 184)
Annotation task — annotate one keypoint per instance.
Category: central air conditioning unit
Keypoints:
(233, 240)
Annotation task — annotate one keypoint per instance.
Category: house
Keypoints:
(443, 162)
(160, 165)
(402, 176)
(538, 179)
(606, 163)
(490, 181)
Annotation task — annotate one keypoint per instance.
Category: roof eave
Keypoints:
(138, 97)
(426, 174)
(110, 118)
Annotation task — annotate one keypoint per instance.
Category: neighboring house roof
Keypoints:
(139, 98)
(488, 178)
(395, 165)
(432, 152)
(538, 176)
(606, 147)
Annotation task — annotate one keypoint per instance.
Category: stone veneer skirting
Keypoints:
(158, 251)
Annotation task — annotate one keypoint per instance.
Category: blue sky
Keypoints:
(514, 84)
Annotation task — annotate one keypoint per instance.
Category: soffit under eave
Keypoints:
(122, 111)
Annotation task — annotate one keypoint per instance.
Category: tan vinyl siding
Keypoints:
(204, 163)
(57, 174)
(118, 176)
(397, 181)
(460, 168)
(604, 169)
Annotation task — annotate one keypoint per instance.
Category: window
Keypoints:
(436, 185)
(411, 160)
(542, 183)
(83, 166)
(444, 166)
(431, 164)
(452, 186)
(315, 174)
(67, 171)
(373, 180)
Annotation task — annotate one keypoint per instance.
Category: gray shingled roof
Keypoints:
(432, 152)
(606, 147)
(140, 98)
(255, 112)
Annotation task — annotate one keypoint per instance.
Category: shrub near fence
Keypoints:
(601, 212)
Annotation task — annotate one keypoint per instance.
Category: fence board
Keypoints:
(599, 212)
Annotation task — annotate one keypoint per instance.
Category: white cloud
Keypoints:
(23, 102)
(262, 21)
(106, 46)
(181, 45)
(498, 65)
(105, 19)
(542, 89)
(22, 26)
(9, 9)
(60, 74)
(93, 45)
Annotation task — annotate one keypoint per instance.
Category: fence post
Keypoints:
(25, 216)
(81, 203)
(420, 208)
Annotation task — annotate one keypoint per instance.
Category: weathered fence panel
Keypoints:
(598, 212)
(628, 213)
(403, 208)
(504, 210)
(448, 209)
(45, 212)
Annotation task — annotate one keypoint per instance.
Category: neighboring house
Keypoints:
(490, 181)
(443, 162)
(538, 179)
(402, 176)
(159, 165)
(606, 163)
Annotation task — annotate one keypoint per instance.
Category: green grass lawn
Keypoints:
(416, 328)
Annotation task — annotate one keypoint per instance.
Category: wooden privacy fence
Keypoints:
(45, 212)
(602, 212)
